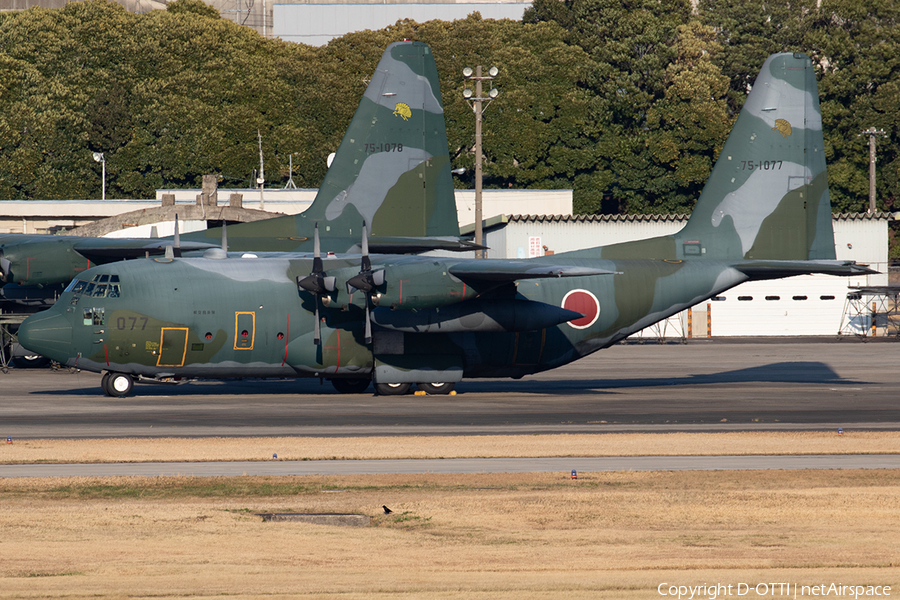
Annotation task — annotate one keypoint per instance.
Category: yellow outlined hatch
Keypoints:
(172, 347)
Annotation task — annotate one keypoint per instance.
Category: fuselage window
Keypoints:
(745, 298)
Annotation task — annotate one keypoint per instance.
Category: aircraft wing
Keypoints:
(106, 250)
(513, 270)
(776, 269)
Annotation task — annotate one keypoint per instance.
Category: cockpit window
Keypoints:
(101, 286)
(77, 286)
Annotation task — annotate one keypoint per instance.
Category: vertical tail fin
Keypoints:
(392, 168)
(767, 196)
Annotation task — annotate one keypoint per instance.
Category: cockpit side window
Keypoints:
(94, 316)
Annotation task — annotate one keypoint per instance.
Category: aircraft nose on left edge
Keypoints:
(48, 333)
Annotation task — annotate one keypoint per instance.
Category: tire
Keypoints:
(30, 361)
(350, 386)
(392, 389)
(104, 381)
(119, 385)
(436, 389)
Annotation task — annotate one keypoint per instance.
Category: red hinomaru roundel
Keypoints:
(584, 302)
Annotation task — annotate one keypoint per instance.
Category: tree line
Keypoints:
(628, 102)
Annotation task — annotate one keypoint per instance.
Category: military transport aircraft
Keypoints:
(392, 169)
(400, 320)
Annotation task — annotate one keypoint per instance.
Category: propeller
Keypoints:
(366, 281)
(316, 282)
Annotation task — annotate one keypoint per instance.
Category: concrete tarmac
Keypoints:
(701, 386)
(455, 465)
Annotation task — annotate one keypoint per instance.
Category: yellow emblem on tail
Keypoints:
(782, 127)
(402, 110)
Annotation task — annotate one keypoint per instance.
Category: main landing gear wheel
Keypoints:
(350, 386)
(117, 385)
(436, 389)
(30, 361)
(391, 389)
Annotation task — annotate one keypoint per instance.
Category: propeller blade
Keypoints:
(317, 252)
(317, 334)
(366, 263)
(176, 250)
(224, 237)
(368, 323)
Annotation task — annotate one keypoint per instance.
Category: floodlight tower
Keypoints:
(478, 106)
(98, 157)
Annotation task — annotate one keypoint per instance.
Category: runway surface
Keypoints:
(701, 386)
(455, 465)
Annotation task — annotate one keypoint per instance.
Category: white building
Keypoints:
(317, 23)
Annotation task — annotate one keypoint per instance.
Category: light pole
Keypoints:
(98, 157)
(872, 132)
(477, 105)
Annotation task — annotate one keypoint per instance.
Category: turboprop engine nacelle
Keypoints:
(404, 286)
(421, 286)
(477, 315)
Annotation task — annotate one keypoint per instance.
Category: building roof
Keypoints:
(886, 216)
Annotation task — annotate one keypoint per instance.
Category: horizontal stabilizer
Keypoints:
(776, 269)
(513, 270)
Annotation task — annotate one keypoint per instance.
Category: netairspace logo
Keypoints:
(771, 590)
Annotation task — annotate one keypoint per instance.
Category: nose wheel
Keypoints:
(117, 385)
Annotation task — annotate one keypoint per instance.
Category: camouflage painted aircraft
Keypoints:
(399, 321)
(402, 188)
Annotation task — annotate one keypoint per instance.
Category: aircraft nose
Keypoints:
(48, 333)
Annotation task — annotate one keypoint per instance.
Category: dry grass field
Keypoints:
(605, 535)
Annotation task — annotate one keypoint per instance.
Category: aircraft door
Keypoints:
(172, 347)
(244, 329)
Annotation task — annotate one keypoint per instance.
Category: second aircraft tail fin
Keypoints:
(392, 168)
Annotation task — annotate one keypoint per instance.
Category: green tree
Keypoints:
(857, 48)
(687, 127)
